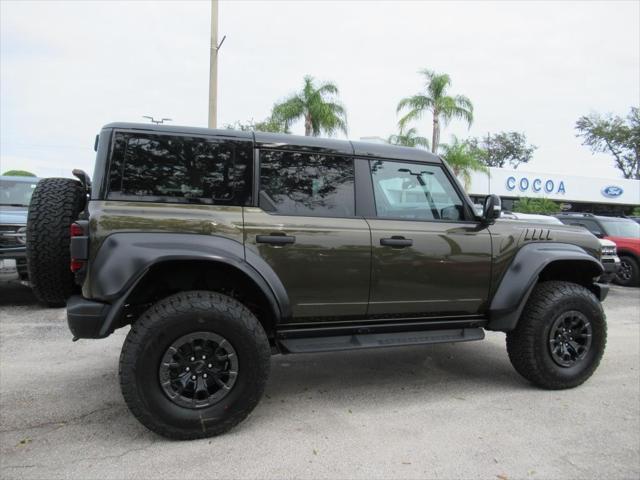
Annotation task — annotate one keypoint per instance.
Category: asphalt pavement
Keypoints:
(442, 411)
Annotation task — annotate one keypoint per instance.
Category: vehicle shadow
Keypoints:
(413, 369)
(16, 295)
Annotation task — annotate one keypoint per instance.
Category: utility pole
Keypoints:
(213, 67)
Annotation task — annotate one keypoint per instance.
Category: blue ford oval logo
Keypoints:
(612, 191)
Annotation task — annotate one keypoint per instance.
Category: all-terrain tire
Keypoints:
(629, 273)
(55, 204)
(528, 345)
(171, 319)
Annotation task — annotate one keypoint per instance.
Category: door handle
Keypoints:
(396, 242)
(275, 239)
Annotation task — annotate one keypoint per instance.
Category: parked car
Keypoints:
(15, 194)
(610, 260)
(220, 248)
(625, 233)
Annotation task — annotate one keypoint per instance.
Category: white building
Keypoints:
(585, 194)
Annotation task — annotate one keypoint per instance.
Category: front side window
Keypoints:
(295, 183)
(180, 169)
(414, 191)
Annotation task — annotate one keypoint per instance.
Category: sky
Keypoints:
(69, 67)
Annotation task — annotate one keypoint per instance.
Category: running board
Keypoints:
(376, 340)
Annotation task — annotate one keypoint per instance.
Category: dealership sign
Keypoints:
(536, 185)
(511, 183)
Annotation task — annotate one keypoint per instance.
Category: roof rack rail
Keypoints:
(577, 214)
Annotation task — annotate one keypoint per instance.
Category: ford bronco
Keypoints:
(219, 248)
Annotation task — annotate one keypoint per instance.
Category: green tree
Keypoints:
(463, 159)
(504, 148)
(409, 138)
(615, 135)
(434, 99)
(542, 206)
(317, 105)
(18, 173)
(267, 125)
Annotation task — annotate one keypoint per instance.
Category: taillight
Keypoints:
(76, 264)
(76, 230)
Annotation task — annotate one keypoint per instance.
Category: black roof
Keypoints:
(283, 141)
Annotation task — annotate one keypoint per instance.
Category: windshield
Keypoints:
(622, 228)
(16, 193)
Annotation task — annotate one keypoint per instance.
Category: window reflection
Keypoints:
(294, 183)
(180, 169)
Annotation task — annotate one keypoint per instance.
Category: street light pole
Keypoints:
(213, 67)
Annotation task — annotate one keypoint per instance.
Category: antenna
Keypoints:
(157, 122)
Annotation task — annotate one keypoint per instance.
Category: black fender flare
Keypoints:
(522, 275)
(124, 259)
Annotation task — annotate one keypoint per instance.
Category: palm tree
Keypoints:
(434, 99)
(463, 159)
(410, 138)
(317, 105)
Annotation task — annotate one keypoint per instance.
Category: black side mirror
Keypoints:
(492, 208)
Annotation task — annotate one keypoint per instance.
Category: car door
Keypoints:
(305, 228)
(428, 258)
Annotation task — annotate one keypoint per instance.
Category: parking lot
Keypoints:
(441, 411)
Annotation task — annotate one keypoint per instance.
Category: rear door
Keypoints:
(305, 228)
(428, 259)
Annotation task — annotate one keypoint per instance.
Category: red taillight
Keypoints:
(76, 265)
(76, 230)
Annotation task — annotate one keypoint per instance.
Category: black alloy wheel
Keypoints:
(570, 338)
(198, 370)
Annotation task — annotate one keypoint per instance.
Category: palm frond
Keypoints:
(415, 102)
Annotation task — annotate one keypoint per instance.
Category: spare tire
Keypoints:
(55, 205)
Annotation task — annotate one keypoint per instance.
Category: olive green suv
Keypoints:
(220, 248)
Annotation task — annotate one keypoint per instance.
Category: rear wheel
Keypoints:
(561, 336)
(194, 365)
(629, 273)
(55, 204)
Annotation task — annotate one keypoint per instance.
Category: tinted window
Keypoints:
(414, 191)
(295, 183)
(180, 169)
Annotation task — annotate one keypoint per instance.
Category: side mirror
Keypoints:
(492, 208)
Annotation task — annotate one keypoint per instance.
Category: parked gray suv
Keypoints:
(15, 194)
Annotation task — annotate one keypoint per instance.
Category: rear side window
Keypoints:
(295, 183)
(180, 169)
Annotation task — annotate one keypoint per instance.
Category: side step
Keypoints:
(376, 340)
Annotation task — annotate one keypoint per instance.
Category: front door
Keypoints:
(305, 228)
(428, 259)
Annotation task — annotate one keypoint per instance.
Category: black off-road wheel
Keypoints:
(561, 336)
(194, 365)
(629, 273)
(55, 204)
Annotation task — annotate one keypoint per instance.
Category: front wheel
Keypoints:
(194, 365)
(629, 273)
(561, 336)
